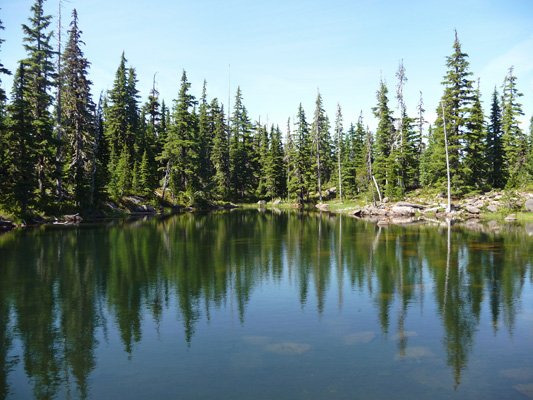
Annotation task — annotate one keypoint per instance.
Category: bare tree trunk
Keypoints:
(375, 183)
(165, 183)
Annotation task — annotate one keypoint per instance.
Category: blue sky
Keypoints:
(282, 52)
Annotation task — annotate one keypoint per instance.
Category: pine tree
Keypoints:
(205, 139)
(475, 165)
(21, 182)
(321, 150)
(301, 170)
(180, 149)
(384, 166)
(77, 114)
(219, 151)
(40, 73)
(457, 101)
(116, 120)
(494, 149)
(4, 165)
(242, 153)
(264, 179)
(513, 138)
(275, 168)
(339, 141)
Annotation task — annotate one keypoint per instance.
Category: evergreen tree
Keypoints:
(205, 139)
(339, 142)
(513, 138)
(321, 150)
(384, 166)
(474, 161)
(301, 170)
(264, 179)
(116, 122)
(180, 149)
(494, 149)
(457, 101)
(242, 153)
(40, 73)
(77, 114)
(408, 158)
(4, 165)
(21, 179)
(219, 151)
(274, 166)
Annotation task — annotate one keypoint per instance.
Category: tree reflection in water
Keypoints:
(63, 289)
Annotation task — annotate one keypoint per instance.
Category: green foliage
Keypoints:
(513, 138)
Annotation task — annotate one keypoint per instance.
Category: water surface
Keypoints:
(263, 305)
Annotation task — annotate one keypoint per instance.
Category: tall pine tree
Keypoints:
(77, 114)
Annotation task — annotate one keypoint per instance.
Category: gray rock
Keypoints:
(276, 202)
(403, 210)
(432, 210)
(136, 199)
(261, 202)
(528, 205)
(385, 200)
(407, 204)
(472, 209)
(492, 208)
(145, 209)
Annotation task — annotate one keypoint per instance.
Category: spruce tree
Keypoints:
(21, 178)
(474, 161)
(180, 149)
(242, 152)
(339, 144)
(457, 101)
(116, 122)
(77, 114)
(4, 164)
(219, 151)
(40, 74)
(321, 150)
(494, 149)
(383, 167)
(301, 171)
(513, 138)
(265, 167)
(205, 139)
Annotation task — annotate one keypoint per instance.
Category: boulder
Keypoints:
(510, 217)
(276, 202)
(528, 205)
(472, 209)
(145, 209)
(356, 212)
(407, 204)
(403, 210)
(492, 208)
(261, 203)
(136, 199)
(432, 210)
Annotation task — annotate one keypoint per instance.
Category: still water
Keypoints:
(266, 305)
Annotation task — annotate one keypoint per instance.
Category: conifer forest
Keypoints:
(67, 147)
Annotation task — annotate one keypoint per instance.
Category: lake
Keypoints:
(278, 304)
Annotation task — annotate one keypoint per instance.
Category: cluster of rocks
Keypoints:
(467, 208)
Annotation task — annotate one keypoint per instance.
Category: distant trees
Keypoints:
(192, 151)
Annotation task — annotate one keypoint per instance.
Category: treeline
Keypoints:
(62, 149)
